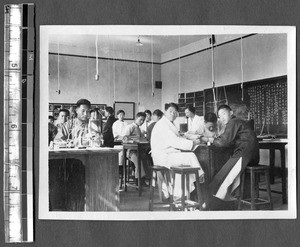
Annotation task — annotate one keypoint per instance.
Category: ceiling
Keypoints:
(108, 44)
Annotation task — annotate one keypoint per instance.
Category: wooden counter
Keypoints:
(212, 158)
(101, 179)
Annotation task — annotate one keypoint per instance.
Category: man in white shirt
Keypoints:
(194, 121)
(167, 146)
(119, 129)
(119, 126)
(133, 132)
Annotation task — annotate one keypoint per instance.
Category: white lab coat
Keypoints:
(166, 146)
(196, 124)
(119, 128)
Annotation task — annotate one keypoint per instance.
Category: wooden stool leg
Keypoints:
(252, 181)
(187, 184)
(200, 201)
(267, 177)
(126, 175)
(173, 189)
(159, 179)
(257, 180)
(169, 187)
(241, 190)
(182, 191)
(152, 186)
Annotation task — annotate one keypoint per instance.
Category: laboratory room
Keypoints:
(167, 122)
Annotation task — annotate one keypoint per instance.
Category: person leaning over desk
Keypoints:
(207, 130)
(239, 135)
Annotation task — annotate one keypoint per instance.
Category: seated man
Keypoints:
(157, 115)
(52, 132)
(133, 132)
(147, 122)
(78, 128)
(207, 130)
(107, 132)
(60, 123)
(239, 135)
(51, 119)
(119, 126)
(166, 146)
(69, 194)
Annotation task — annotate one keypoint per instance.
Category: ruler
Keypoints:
(18, 121)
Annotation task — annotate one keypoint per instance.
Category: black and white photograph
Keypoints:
(167, 122)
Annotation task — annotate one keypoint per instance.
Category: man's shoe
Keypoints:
(166, 200)
(143, 182)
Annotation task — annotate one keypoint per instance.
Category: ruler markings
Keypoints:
(18, 63)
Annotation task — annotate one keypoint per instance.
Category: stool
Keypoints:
(254, 171)
(185, 173)
(127, 177)
(154, 172)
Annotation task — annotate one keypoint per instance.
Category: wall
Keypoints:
(264, 55)
(118, 81)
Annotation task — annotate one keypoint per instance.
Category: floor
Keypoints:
(130, 200)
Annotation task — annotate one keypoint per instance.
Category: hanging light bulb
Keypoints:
(139, 43)
(212, 41)
(152, 81)
(242, 69)
(179, 65)
(58, 82)
(97, 62)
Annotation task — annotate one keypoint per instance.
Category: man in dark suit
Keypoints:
(239, 135)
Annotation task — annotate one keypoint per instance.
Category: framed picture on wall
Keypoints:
(127, 107)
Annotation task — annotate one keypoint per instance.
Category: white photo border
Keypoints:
(43, 208)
